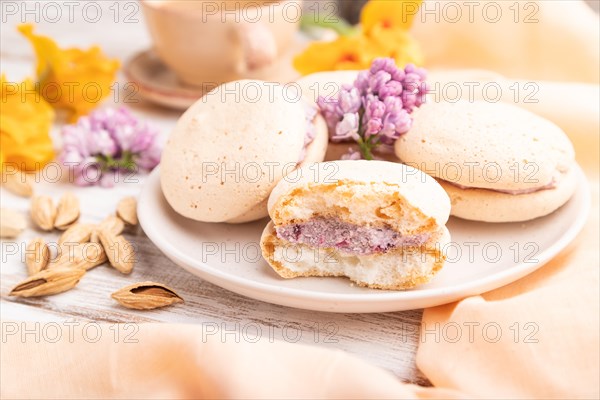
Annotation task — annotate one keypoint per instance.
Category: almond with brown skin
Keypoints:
(68, 211)
(146, 296)
(37, 255)
(48, 282)
(43, 212)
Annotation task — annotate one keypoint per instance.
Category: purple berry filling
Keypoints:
(346, 237)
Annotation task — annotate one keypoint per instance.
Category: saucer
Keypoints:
(157, 83)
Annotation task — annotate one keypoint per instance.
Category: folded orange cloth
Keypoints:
(177, 361)
(549, 321)
(548, 346)
(545, 40)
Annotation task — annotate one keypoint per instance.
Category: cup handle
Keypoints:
(259, 48)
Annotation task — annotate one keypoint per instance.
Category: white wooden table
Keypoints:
(387, 340)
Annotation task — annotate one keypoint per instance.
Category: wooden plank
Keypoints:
(388, 340)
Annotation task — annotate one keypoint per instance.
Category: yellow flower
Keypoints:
(73, 79)
(397, 44)
(346, 52)
(395, 14)
(25, 121)
(384, 33)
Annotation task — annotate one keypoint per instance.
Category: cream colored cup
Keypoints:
(216, 41)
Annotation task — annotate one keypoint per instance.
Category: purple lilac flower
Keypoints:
(349, 99)
(310, 112)
(342, 114)
(376, 109)
(351, 154)
(107, 142)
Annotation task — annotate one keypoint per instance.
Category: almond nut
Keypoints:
(127, 210)
(77, 233)
(18, 183)
(68, 211)
(114, 225)
(12, 223)
(37, 256)
(43, 212)
(146, 296)
(48, 281)
(82, 255)
(119, 251)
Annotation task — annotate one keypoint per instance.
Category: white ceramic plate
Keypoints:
(482, 257)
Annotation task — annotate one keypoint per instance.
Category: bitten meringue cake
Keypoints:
(381, 224)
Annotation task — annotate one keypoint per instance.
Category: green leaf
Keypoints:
(108, 162)
(309, 21)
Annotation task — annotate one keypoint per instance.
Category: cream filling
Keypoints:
(551, 185)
